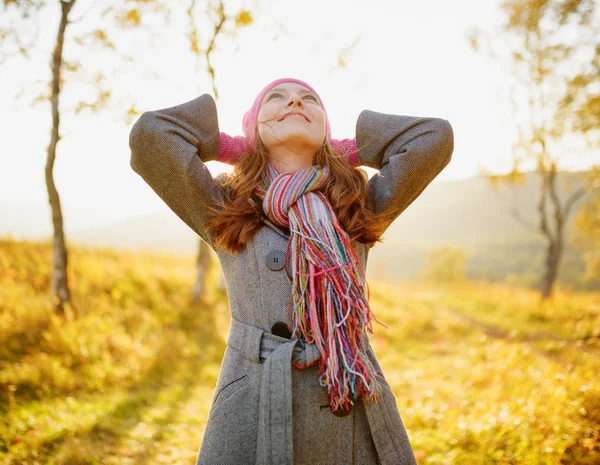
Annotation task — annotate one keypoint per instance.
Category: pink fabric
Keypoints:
(232, 148)
(348, 147)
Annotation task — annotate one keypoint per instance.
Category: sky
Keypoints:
(410, 58)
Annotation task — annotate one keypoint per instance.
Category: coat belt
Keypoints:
(275, 410)
(275, 434)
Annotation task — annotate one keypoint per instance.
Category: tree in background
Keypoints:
(90, 42)
(19, 18)
(555, 60)
(219, 20)
(445, 265)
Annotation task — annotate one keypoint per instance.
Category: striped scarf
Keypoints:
(330, 308)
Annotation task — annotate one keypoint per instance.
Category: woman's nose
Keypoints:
(295, 99)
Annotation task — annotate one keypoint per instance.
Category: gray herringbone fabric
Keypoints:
(247, 424)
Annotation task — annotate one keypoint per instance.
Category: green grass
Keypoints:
(483, 373)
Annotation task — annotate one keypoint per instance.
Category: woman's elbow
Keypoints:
(445, 139)
(139, 140)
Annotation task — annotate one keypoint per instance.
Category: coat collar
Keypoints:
(271, 225)
(267, 222)
(275, 228)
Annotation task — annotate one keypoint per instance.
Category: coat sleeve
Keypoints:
(168, 150)
(408, 152)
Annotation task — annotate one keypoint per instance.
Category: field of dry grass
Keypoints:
(483, 373)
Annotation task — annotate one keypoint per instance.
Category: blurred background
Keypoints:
(113, 313)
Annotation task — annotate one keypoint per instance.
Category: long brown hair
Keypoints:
(234, 221)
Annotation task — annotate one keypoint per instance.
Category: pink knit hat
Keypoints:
(231, 148)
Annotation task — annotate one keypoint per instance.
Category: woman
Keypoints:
(292, 227)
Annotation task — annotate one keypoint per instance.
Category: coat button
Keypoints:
(342, 412)
(275, 260)
(281, 329)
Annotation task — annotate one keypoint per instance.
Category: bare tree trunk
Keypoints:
(553, 257)
(203, 260)
(555, 235)
(60, 283)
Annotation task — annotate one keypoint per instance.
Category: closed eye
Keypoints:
(309, 95)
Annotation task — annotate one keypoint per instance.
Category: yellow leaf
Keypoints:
(244, 18)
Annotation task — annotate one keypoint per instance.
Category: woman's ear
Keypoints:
(347, 147)
(231, 148)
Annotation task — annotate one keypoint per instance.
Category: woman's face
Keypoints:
(305, 133)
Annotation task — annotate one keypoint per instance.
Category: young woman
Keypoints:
(292, 227)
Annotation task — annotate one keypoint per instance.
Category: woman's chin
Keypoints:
(297, 137)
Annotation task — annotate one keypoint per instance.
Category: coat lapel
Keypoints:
(271, 225)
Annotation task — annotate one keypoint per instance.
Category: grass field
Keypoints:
(483, 373)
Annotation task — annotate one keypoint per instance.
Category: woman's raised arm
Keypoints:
(168, 150)
(409, 153)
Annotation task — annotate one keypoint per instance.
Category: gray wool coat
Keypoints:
(264, 410)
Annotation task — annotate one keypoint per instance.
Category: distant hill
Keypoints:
(471, 215)
(465, 213)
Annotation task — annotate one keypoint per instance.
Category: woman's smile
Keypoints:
(294, 113)
(297, 116)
